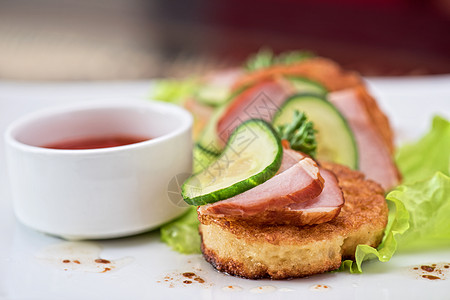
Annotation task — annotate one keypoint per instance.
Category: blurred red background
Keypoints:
(133, 39)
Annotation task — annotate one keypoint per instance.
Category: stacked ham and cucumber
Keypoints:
(250, 167)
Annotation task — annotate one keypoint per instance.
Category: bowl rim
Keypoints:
(185, 118)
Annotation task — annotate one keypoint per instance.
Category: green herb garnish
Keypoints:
(300, 133)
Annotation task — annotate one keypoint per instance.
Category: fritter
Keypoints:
(286, 251)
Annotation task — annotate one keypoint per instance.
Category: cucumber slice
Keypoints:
(307, 86)
(335, 140)
(209, 140)
(252, 156)
(213, 95)
(202, 158)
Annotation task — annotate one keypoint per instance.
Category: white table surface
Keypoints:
(409, 103)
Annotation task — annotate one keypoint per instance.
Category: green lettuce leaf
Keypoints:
(420, 221)
(422, 207)
(173, 90)
(398, 223)
(431, 153)
(428, 203)
(182, 234)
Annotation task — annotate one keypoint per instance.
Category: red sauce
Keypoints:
(102, 261)
(96, 142)
(431, 277)
(427, 268)
(199, 280)
(188, 274)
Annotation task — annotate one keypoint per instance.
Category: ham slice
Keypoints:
(203, 112)
(290, 157)
(223, 78)
(260, 101)
(298, 183)
(375, 159)
(321, 209)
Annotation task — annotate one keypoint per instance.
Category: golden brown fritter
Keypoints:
(286, 251)
(379, 119)
(334, 78)
(320, 69)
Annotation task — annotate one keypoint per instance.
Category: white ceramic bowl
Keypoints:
(98, 193)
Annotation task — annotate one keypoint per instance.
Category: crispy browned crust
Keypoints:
(236, 268)
(379, 119)
(323, 70)
(318, 248)
(285, 217)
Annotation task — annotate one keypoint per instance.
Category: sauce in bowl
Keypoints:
(84, 143)
(100, 192)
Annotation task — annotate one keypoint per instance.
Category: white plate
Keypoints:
(142, 262)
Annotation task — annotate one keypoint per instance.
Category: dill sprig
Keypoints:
(300, 133)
